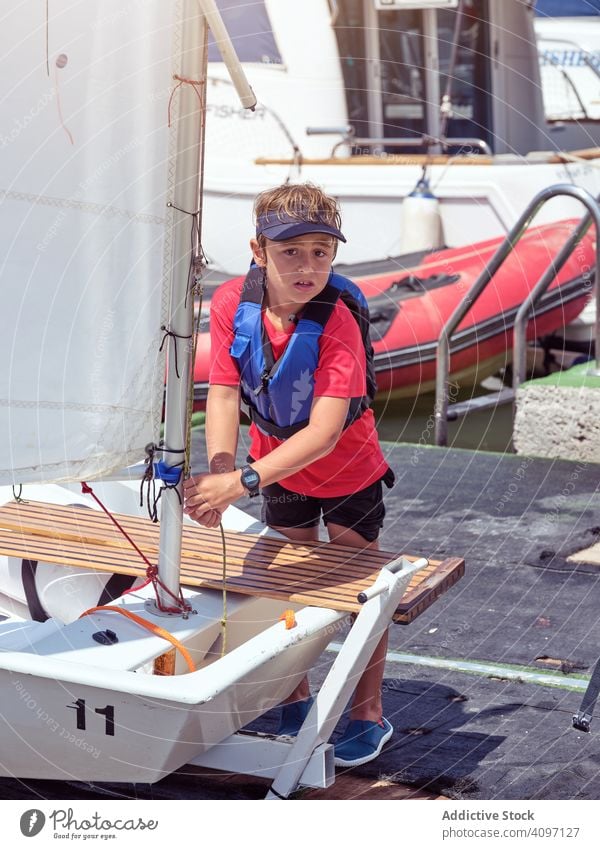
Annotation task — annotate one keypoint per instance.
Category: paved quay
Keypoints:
(482, 686)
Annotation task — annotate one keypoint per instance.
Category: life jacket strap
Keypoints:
(272, 429)
(355, 411)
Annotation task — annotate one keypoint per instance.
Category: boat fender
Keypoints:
(421, 220)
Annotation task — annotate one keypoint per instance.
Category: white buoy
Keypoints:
(421, 221)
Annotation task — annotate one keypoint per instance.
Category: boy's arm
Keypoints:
(316, 440)
(221, 431)
(222, 427)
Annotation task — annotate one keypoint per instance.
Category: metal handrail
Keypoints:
(418, 141)
(520, 327)
(348, 138)
(347, 131)
(507, 246)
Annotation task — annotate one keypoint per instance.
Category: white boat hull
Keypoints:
(69, 721)
(75, 709)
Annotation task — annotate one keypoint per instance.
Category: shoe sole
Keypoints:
(367, 758)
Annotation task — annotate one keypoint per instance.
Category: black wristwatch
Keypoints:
(250, 481)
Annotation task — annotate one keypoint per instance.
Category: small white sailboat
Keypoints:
(100, 216)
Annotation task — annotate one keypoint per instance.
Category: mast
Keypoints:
(188, 117)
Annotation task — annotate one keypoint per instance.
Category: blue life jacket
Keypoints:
(279, 393)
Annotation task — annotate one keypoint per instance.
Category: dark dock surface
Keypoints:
(481, 688)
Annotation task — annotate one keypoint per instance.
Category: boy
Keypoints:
(314, 448)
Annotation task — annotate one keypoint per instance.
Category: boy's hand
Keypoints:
(206, 496)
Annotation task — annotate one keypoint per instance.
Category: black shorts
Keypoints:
(361, 511)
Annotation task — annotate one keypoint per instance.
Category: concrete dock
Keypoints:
(481, 688)
(557, 415)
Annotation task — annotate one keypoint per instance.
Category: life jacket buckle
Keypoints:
(264, 382)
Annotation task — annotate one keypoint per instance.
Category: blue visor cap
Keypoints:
(280, 226)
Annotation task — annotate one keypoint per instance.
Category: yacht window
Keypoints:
(250, 30)
(470, 80)
(349, 29)
(401, 72)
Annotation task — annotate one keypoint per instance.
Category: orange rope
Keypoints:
(160, 632)
(289, 618)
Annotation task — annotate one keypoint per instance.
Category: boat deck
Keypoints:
(333, 576)
(482, 686)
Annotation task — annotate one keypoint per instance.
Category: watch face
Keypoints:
(250, 478)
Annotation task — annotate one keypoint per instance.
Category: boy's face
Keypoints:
(297, 269)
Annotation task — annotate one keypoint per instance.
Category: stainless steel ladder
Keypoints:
(442, 413)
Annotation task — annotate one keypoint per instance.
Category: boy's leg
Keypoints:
(298, 534)
(367, 696)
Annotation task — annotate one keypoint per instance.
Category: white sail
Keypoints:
(83, 182)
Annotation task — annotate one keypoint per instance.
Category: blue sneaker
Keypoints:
(293, 716)
(361, 742)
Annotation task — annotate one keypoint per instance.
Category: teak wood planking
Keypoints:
(320, 574)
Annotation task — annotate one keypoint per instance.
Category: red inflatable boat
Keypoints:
(412, 297)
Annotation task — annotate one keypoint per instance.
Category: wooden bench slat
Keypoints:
(318, 574)
(197, 573)
(198, 563)
(37, 515)
(70, 524)
(316, 567)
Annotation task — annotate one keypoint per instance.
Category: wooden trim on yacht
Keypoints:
(543, 157)
(387, 159)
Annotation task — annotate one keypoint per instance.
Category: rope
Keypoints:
(68, 132)
(149, 479)
(197, 293)
(279, 796)
(87, 490)
(149, 626)
(196, 289)
(195, 84)
(181, 605)
(297, 155)
(171, 334)
(197, 262)
(224, 592)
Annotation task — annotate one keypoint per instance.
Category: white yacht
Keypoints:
(364, 97)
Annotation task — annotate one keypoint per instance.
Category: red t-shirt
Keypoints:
(357, 460)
